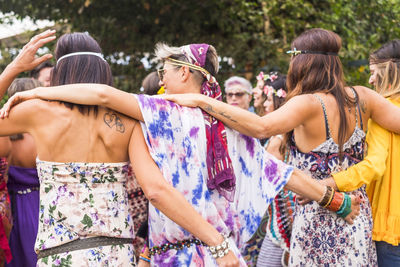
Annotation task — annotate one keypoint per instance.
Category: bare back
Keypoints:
(65, 135)
(313, 132)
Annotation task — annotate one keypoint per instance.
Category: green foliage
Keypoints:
(255, 33)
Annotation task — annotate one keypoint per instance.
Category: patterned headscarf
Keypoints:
(219, 164)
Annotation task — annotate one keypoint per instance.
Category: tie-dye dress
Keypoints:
(176, 139)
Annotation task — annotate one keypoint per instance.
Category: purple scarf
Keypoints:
(219, 164)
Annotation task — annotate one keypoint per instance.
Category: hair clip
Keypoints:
(294, 51)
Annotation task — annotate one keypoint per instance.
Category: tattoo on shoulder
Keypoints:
(210, 109)
(111, 119)
(363, 106)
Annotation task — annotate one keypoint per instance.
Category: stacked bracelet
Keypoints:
(339, 203)
(220, 250)
(345, 208)
(327, 197)
(144, 257)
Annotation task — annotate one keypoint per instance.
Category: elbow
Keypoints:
(263, 131)
(155, 195)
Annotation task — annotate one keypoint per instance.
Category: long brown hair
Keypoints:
(387, 61)
(82, 68)
(315, 72)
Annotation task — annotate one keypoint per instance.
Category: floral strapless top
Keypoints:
(81, 200)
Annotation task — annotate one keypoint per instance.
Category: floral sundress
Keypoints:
(82, 200)
(319, 236)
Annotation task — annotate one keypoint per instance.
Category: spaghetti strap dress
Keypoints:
(319, 236)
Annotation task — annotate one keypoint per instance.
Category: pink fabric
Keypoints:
(3, 237)
(219, 164)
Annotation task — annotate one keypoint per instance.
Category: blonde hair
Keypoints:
(387, 62)
(387, 80)
(164, 51)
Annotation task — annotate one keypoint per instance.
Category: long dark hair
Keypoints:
(82, 68)
(312, 73)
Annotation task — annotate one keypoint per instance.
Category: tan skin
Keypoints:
(180, 82)
(23, 152)
(372, 79)
(65, 135)
(5, 147)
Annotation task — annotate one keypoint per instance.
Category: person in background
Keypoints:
(380, 169)
(150, 84)
(276, 244)
(23, 188)
(42, 73)
(238, 92)
(258, 96)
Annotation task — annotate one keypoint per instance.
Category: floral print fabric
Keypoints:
(176, 139)
(81, 200)
(319, 236)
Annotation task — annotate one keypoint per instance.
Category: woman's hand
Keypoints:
(302, 200)
(355, 209)
(26, 59)
(14, 100)
(188, 100)
(229, 260)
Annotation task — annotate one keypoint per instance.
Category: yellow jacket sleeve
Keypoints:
(373, 165)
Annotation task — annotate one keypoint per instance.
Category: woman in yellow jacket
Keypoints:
(380, 169)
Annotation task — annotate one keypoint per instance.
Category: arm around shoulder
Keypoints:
(165, 197)
(383, 112)
(374, 164)
(23, 118)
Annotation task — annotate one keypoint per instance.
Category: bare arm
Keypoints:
(82, 93)
(5, 146)
(169, 200)
(26, 59)
(302, 184)
(22, 118)
(289, 116)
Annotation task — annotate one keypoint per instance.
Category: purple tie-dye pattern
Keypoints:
(270, 170)
(193, 132)
(182, 160)
(249, 144)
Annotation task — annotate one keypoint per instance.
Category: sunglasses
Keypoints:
(239, 94)
(161, 72)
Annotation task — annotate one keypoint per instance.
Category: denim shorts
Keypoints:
(388, 255)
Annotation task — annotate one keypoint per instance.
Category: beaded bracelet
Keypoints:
(220, 250)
